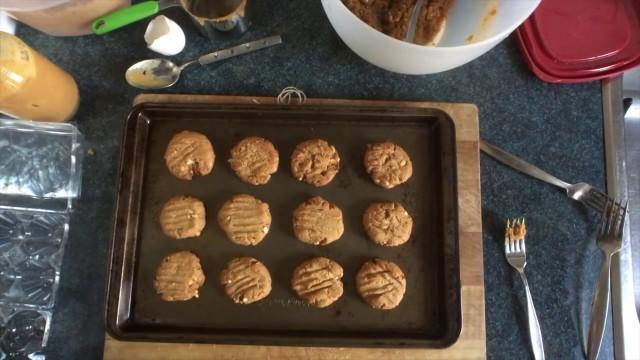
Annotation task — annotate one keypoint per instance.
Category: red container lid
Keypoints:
(581, 40)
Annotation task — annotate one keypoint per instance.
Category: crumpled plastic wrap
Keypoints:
(40, 165)
(40, 159)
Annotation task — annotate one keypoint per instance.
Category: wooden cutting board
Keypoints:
(472, 341)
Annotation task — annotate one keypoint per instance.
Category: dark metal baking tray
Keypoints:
(429, 315)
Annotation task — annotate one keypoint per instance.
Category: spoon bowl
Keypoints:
(153, 74)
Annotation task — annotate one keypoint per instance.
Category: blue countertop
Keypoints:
(558, 127)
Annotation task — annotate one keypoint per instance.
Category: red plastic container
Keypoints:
(568, 41)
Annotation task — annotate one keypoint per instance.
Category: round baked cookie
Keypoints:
(246, 280)
(245, 219)
(189, 153)
(182, 217)
(318, 281)
(387, 164)
(381, 283)
(317, 222)
(387, 223)
(254, 159)
(315, 162)
(179, 277)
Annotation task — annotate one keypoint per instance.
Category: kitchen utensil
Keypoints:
(582, 192)
(631, 158)
(622, 159)
(604, 46)
(430, 315)
(472, 29)
(516, 254)
(211, 17)
(609, 241)
(411, 28)
(162, 73)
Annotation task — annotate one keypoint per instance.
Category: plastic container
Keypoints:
(61, 17)
(35, 204)
(31, 86)
(473, 28)
(40, 160)
(604, 40)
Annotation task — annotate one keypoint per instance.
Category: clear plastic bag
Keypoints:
(40, 175)
(31, 246)
(40, 159)
(25, 333)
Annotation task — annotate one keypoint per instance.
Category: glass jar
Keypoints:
(31, 86)
(61, 17)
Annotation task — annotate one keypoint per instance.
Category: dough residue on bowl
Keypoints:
(392, 17)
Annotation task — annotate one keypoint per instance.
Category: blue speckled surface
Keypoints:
(558, 127)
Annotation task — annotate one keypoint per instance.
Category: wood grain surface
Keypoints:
(472, 341)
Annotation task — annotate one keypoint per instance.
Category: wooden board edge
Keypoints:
(466, 131)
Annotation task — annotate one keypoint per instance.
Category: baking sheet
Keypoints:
(429, 315)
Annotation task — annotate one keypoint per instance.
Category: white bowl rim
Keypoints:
(491, 39)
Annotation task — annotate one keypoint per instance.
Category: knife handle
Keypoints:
(599, 309)
(240, 49)
(521, 165)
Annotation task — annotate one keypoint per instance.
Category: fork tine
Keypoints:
(520, 240)
(595, 202)
(619, 228)
(613, 216)
(603, 217)
(600, 197)
(506, 237)
(513, 242)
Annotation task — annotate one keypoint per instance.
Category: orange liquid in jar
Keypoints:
(31, 86)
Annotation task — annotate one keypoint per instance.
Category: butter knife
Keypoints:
(582, 192)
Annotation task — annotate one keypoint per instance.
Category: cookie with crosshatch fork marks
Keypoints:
(317, 222)
(179, 277)
(189, 153)
(246, 280)
(318, 281)
(182, 217)
(381, 283)
(245, 219)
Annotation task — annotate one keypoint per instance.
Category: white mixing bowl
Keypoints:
(467, 19)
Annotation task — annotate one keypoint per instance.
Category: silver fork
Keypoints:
(516, 254)
(609, 241)
(581, 192)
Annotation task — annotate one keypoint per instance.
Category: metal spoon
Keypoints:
(162, 73)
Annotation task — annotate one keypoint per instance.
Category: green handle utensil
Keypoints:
(126, 16)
